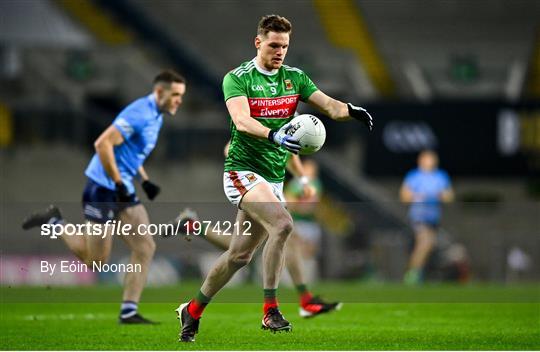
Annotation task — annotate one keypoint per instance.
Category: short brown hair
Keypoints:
(274, 23)
(168, 77)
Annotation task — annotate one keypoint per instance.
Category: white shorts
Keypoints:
(237, 183)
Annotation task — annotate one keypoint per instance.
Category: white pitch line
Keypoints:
(88, 316)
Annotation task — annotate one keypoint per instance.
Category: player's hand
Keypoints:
(281, 138)
(360, 114)
(151, 189)
(122, 193)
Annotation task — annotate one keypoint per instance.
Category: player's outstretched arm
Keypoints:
(338, 110)
(239, 110)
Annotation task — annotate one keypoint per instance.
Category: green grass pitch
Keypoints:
(389, 317)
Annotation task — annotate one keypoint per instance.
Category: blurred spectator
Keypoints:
(424, 188)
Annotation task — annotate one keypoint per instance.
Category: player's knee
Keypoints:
(151, 247)
(283, 227)
(239, 260)
(145, 250)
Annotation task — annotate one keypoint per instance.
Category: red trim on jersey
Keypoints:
(274, 108)
(237, 183)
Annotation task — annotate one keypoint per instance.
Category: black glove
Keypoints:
(360, 114)
(151, 189)
(122, 193)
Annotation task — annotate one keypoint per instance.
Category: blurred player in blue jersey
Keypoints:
(110, 194)
(424, 188)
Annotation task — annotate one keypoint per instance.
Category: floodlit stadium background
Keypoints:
(462, 77)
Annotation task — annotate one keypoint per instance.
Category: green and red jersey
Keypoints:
(273, 99)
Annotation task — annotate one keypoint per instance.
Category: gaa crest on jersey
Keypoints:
(251, 177)
(288, 84)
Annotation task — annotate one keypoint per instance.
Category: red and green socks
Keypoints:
(305, 295)
(270, 300)
(197, 304)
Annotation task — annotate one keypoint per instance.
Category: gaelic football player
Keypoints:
(261, 95)
(110, 193)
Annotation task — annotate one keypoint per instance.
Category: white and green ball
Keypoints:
(309, 131)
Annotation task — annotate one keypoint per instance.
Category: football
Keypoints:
(309, 131)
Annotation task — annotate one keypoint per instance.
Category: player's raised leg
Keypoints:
(50, 215)
(53, 216)
(87, 248)
(310, 305)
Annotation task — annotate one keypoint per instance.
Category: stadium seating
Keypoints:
(443, 30)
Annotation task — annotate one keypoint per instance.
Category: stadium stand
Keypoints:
(534, 69)
(222, 46)
(65, 82)
(346, 28)
(445, 31)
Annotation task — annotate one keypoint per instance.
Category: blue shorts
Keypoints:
(100, 205)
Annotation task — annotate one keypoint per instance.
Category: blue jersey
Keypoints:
(139, 123)
(429, 185)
